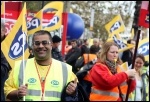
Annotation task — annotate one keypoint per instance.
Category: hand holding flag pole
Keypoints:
(24, 30)
(135, 51)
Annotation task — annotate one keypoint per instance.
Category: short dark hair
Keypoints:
(69, 42)
(56, 39)
(42, 32)
(74, 40)
(94, 49)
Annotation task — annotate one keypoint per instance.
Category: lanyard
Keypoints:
(42, 81)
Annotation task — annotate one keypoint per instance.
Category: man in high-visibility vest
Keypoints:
(42, 77)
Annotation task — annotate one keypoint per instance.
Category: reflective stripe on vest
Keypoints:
(38, 92)
(123, 85)
(64, 73)
(105, 93)
(21, 74)
(47, 93)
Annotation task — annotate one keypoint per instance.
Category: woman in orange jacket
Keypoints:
(109, 80)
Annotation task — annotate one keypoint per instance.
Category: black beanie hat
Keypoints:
(56, 39)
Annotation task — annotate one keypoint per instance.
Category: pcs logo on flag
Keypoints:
(16, 48)
(115, 26)
(34, 23)
(144, 49)
(53, 21)
(120, 43)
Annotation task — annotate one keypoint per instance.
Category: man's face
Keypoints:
(3, 33)
(42, 47)
(74, 44)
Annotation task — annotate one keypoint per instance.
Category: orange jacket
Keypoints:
(100, 94)
(88, 58)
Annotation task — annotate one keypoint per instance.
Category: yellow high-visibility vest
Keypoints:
(56, 80)
(145, 82)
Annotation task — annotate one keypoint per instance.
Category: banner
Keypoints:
(10, 14)
(143, 48)
(144, 14)
(12, 46)
(115, 26)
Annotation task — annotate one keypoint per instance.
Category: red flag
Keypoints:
(144, 14)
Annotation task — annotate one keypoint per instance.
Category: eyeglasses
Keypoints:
(44, 43)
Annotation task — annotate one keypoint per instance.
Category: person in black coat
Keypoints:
(73, 55)
(56, 54)
(127, 56)
(5, 67)
(84, 48)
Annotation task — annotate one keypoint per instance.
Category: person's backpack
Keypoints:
(79, 62)
(84, 70)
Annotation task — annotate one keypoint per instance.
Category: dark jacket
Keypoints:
(79, 96)
(72, 56)
(5, 68)
(127, 56)
(56, 54)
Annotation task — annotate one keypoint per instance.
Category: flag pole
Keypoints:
(4, 12)
(23, 43)
(135, 52)
(23, 63)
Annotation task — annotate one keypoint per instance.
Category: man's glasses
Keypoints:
(44, 43)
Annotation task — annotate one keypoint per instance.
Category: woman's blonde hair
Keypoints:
(104, 50)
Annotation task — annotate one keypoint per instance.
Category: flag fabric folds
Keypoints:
(125, 66)
(56, 21)
(35, 23)
(123, 46)
(12, 46)
(115, 26)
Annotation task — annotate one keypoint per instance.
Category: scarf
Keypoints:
(111, 66)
